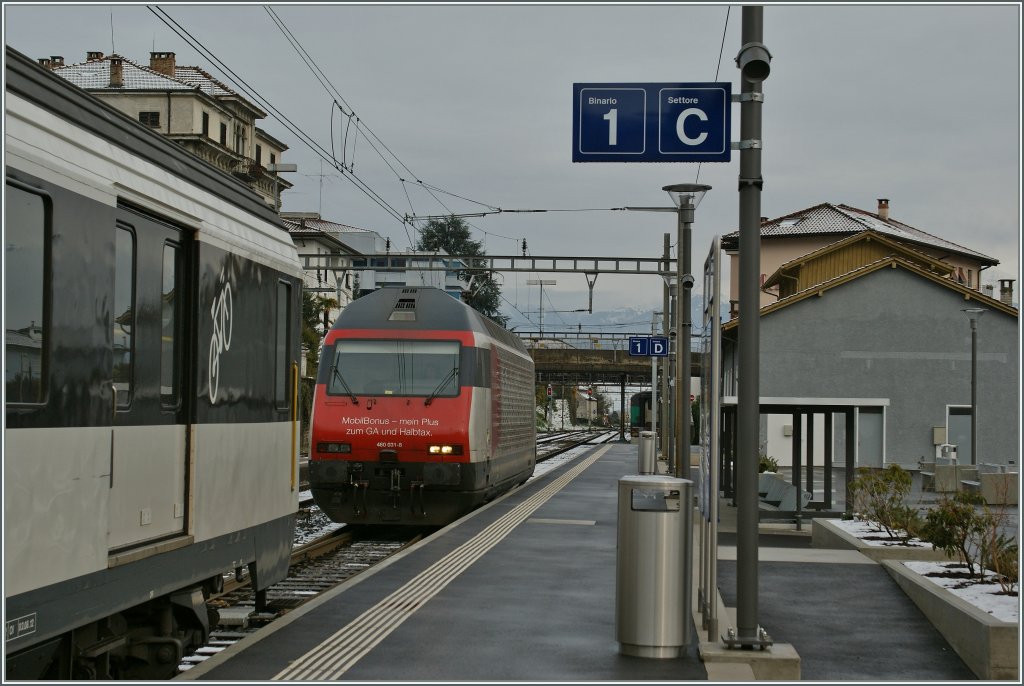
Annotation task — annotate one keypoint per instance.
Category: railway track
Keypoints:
(327, 554)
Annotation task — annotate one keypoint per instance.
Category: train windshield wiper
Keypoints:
(339, 377)
(444, 382)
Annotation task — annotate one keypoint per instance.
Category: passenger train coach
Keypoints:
(151, 348)
(423, 409)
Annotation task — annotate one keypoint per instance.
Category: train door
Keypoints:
(149, 449)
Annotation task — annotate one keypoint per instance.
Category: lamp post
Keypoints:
(686, 197)
(541, 283)
(974, 313)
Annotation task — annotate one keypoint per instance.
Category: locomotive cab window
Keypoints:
(395, 367)
(26, 247)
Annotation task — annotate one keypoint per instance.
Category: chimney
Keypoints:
(93, 55)
(44, 62)
(988, 289)
(116, 72)
(56, 61)
(162, 62)
(1006, 291)
(883, 208)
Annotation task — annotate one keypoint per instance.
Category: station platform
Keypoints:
(523, 589)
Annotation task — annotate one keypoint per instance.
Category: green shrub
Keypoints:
(956, 527)
(767, 463)
(880, 497)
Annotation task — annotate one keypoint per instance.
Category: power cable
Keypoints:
(281, 118)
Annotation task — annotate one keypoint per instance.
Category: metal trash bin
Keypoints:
(646, 453)
(653, 566)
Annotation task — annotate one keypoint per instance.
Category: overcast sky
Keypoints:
(918, 104)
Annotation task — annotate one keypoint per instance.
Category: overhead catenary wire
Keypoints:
(368, 132)
(718, 68)
(250, 92)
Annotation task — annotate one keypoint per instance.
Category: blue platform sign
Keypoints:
(659, 346)
(639, 346)
(648, 346)
(651, 122)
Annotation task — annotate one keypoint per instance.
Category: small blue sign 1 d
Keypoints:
(648, 346)
(651, 122)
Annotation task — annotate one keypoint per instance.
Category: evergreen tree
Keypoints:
(452, 235)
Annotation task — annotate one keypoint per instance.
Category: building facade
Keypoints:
(891, 339)
(189, 106)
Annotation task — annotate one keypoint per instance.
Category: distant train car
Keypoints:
(639, 413)
(424, 409)
(151, 338)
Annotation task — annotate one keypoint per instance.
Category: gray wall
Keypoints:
(893, 334)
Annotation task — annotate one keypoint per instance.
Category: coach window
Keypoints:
(124, 312)
(170, 302)
(26, 243)
(284, 294)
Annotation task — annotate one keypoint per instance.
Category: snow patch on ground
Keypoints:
(868, 532)
(987, 596)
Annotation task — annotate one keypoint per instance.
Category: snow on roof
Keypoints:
(95, 74)
(827, 218)
(322, 225)
(195, 76)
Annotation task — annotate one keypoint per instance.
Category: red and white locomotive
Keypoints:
(424, 409)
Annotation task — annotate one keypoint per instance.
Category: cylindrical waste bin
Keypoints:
(646, 453)
(653, 566)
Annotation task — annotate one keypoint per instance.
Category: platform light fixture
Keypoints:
(686, 197)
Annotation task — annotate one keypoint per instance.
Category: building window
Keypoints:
(259, 154)
(206, 124)
(223, 134)
(26, 241)
(150, 119)
(273, 158)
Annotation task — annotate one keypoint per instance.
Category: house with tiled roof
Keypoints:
(866, 359)
(789, 237)
(189, 106)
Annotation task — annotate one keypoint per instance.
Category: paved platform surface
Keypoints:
(524, 590)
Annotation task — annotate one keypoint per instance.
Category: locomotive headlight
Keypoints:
(334, 447)
(445, 450)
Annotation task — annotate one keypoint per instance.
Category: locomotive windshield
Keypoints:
(395, 367)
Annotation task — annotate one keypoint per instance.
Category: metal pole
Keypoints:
(682, 348)
(974, 390)
(753, 65)
(686, 324)
(666, 324)
(654, 389)
(541, 323)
